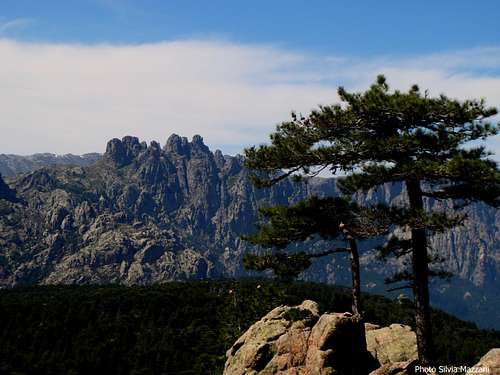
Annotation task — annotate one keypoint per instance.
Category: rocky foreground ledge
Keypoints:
(299, 340)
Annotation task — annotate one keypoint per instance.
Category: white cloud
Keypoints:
(73, 98)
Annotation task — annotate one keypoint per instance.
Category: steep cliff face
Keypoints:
(470, 251)
(145, 213)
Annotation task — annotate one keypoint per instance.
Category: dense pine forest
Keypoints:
(178, 328)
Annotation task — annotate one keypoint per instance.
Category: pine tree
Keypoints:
(379, 137)
(328, 218)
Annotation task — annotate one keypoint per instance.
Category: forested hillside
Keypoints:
(178, 328)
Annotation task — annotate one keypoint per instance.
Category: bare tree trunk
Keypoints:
(356, 278)
(356, 300)
(421, 280)
(355, 272)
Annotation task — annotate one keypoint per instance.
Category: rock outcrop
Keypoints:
(392, 344)
(299, 340)
(488, 364)
(396, 368)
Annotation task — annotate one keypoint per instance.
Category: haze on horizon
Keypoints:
(75, 76)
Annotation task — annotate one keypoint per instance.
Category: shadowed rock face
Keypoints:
(6, 192)
(298, 340)
(145, 213)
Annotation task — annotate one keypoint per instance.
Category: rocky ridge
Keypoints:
(10, 165)
(490, 361)
(140, 214)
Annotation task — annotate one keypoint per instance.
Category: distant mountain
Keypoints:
(143, 213)
(10, 165)
(140, 214)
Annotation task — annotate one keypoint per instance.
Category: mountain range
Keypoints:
(144, 213)
(10, 165)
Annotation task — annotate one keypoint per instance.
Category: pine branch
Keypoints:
(400, 276)
(328, 252)
(407, 286)
(394, 246)
(262, 182)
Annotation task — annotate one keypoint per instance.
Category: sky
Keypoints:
(75, 74)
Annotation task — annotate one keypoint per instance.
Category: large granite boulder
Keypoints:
(488, 364)
(396, 343)
(396, 368)
(298, 340)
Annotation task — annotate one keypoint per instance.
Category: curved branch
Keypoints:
(328, 252)
(407, 286)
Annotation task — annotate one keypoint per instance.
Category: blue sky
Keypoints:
(361, 28)
(78, 72)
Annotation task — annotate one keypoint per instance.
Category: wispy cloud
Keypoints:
(73, 98)
(17, 24)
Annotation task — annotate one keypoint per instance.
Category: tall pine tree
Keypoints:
(379, 137)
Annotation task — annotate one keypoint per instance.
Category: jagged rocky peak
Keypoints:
(198, 145)
(197, 140)
(115, 151)
(154, 149)
(177, 144)
(155, 146)
(219, 159)
(180, 145)
(123, 151)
